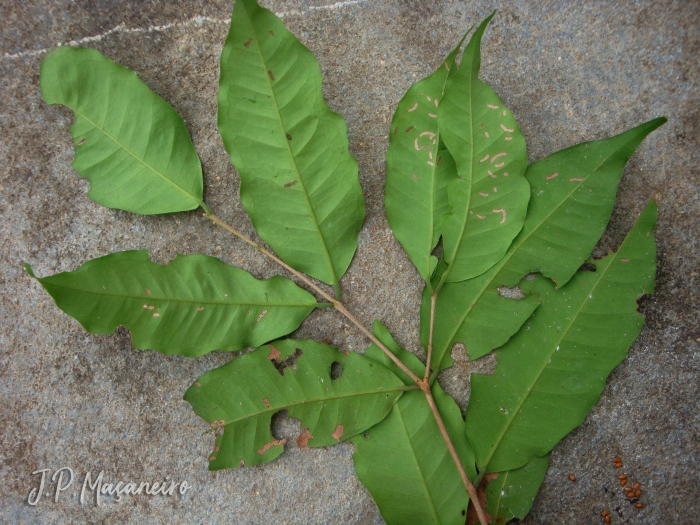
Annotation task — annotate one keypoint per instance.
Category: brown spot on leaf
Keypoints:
(289, 361)
(200, 308)
(396, 130)
(242, 463)
(576, 179)
(290, 184)
(289, 137)
(624, 260)
(197, 384)
(216, 448)
(274, 353)
(147, 291)
(303, 439)
(212, 458)
(266, 402)
(272, 33)
(272, 75)
(414, 176)
(552, 176)
(439, 160)
(338, 432)
(247, 42)
(268, 446)
(81, 141)
(472, 518)
(262, 314)
(409, 129)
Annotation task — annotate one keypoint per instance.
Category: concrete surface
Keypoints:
(570, 71)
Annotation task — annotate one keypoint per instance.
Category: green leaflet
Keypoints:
(130, 143)
(565, 220)
(192, 306)
(419, 168)
(512, 493)
(298, 180)
(403, 460)
(240, 398)
(573, 194)
(474, 313)
(552, 372)
(488, 200)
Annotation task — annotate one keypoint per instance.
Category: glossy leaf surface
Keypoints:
(573, 194)
(131, 144)
(240, 398)
(552, 372)
(192, 306)
(488, 200)
(513, 492)
(298, 180)
(403, 460)
(419, 168)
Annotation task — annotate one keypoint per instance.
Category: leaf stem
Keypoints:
(468, 484)
(336, 303)
(433, 298)
(422, 384)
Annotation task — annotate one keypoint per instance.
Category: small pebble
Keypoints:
(607, 520)
(623, 482)
(572, 477)
(637, 485)
(639, 505)
(638, 494)
(605, 513)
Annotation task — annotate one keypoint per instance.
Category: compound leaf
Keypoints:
(419, 168)
(488, 200)
(403, 460)
(298, 179)
(552, 372)
(335, 396)
(512, 492)
(131, 144)
(192, 306)
(573, 194)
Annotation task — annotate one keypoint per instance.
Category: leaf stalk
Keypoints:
(423, 384)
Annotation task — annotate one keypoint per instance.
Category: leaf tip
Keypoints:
(28, 269)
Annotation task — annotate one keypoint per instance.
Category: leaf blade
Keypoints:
(544, 384)
(419, 168)
(587, 212)
(298, 179)
(131, 144)
(249, 390)
(174, 308)
(513, 492)
(406, 466)
(488, 201)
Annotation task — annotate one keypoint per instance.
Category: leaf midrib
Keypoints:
(146, 164)
(420, 469)
(514, 248)
(289, 150)
(189, 301)
(398, 388)
(564, 333)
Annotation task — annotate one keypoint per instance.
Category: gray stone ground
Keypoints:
(570, 71)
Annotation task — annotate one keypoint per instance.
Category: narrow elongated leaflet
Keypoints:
(488, 200)
(403, 460)
(240, 398)
(551, 373)
(573, 194)
(131, 145)
(192, 306)
(419, 168)
(512, 493)
(298, 180)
